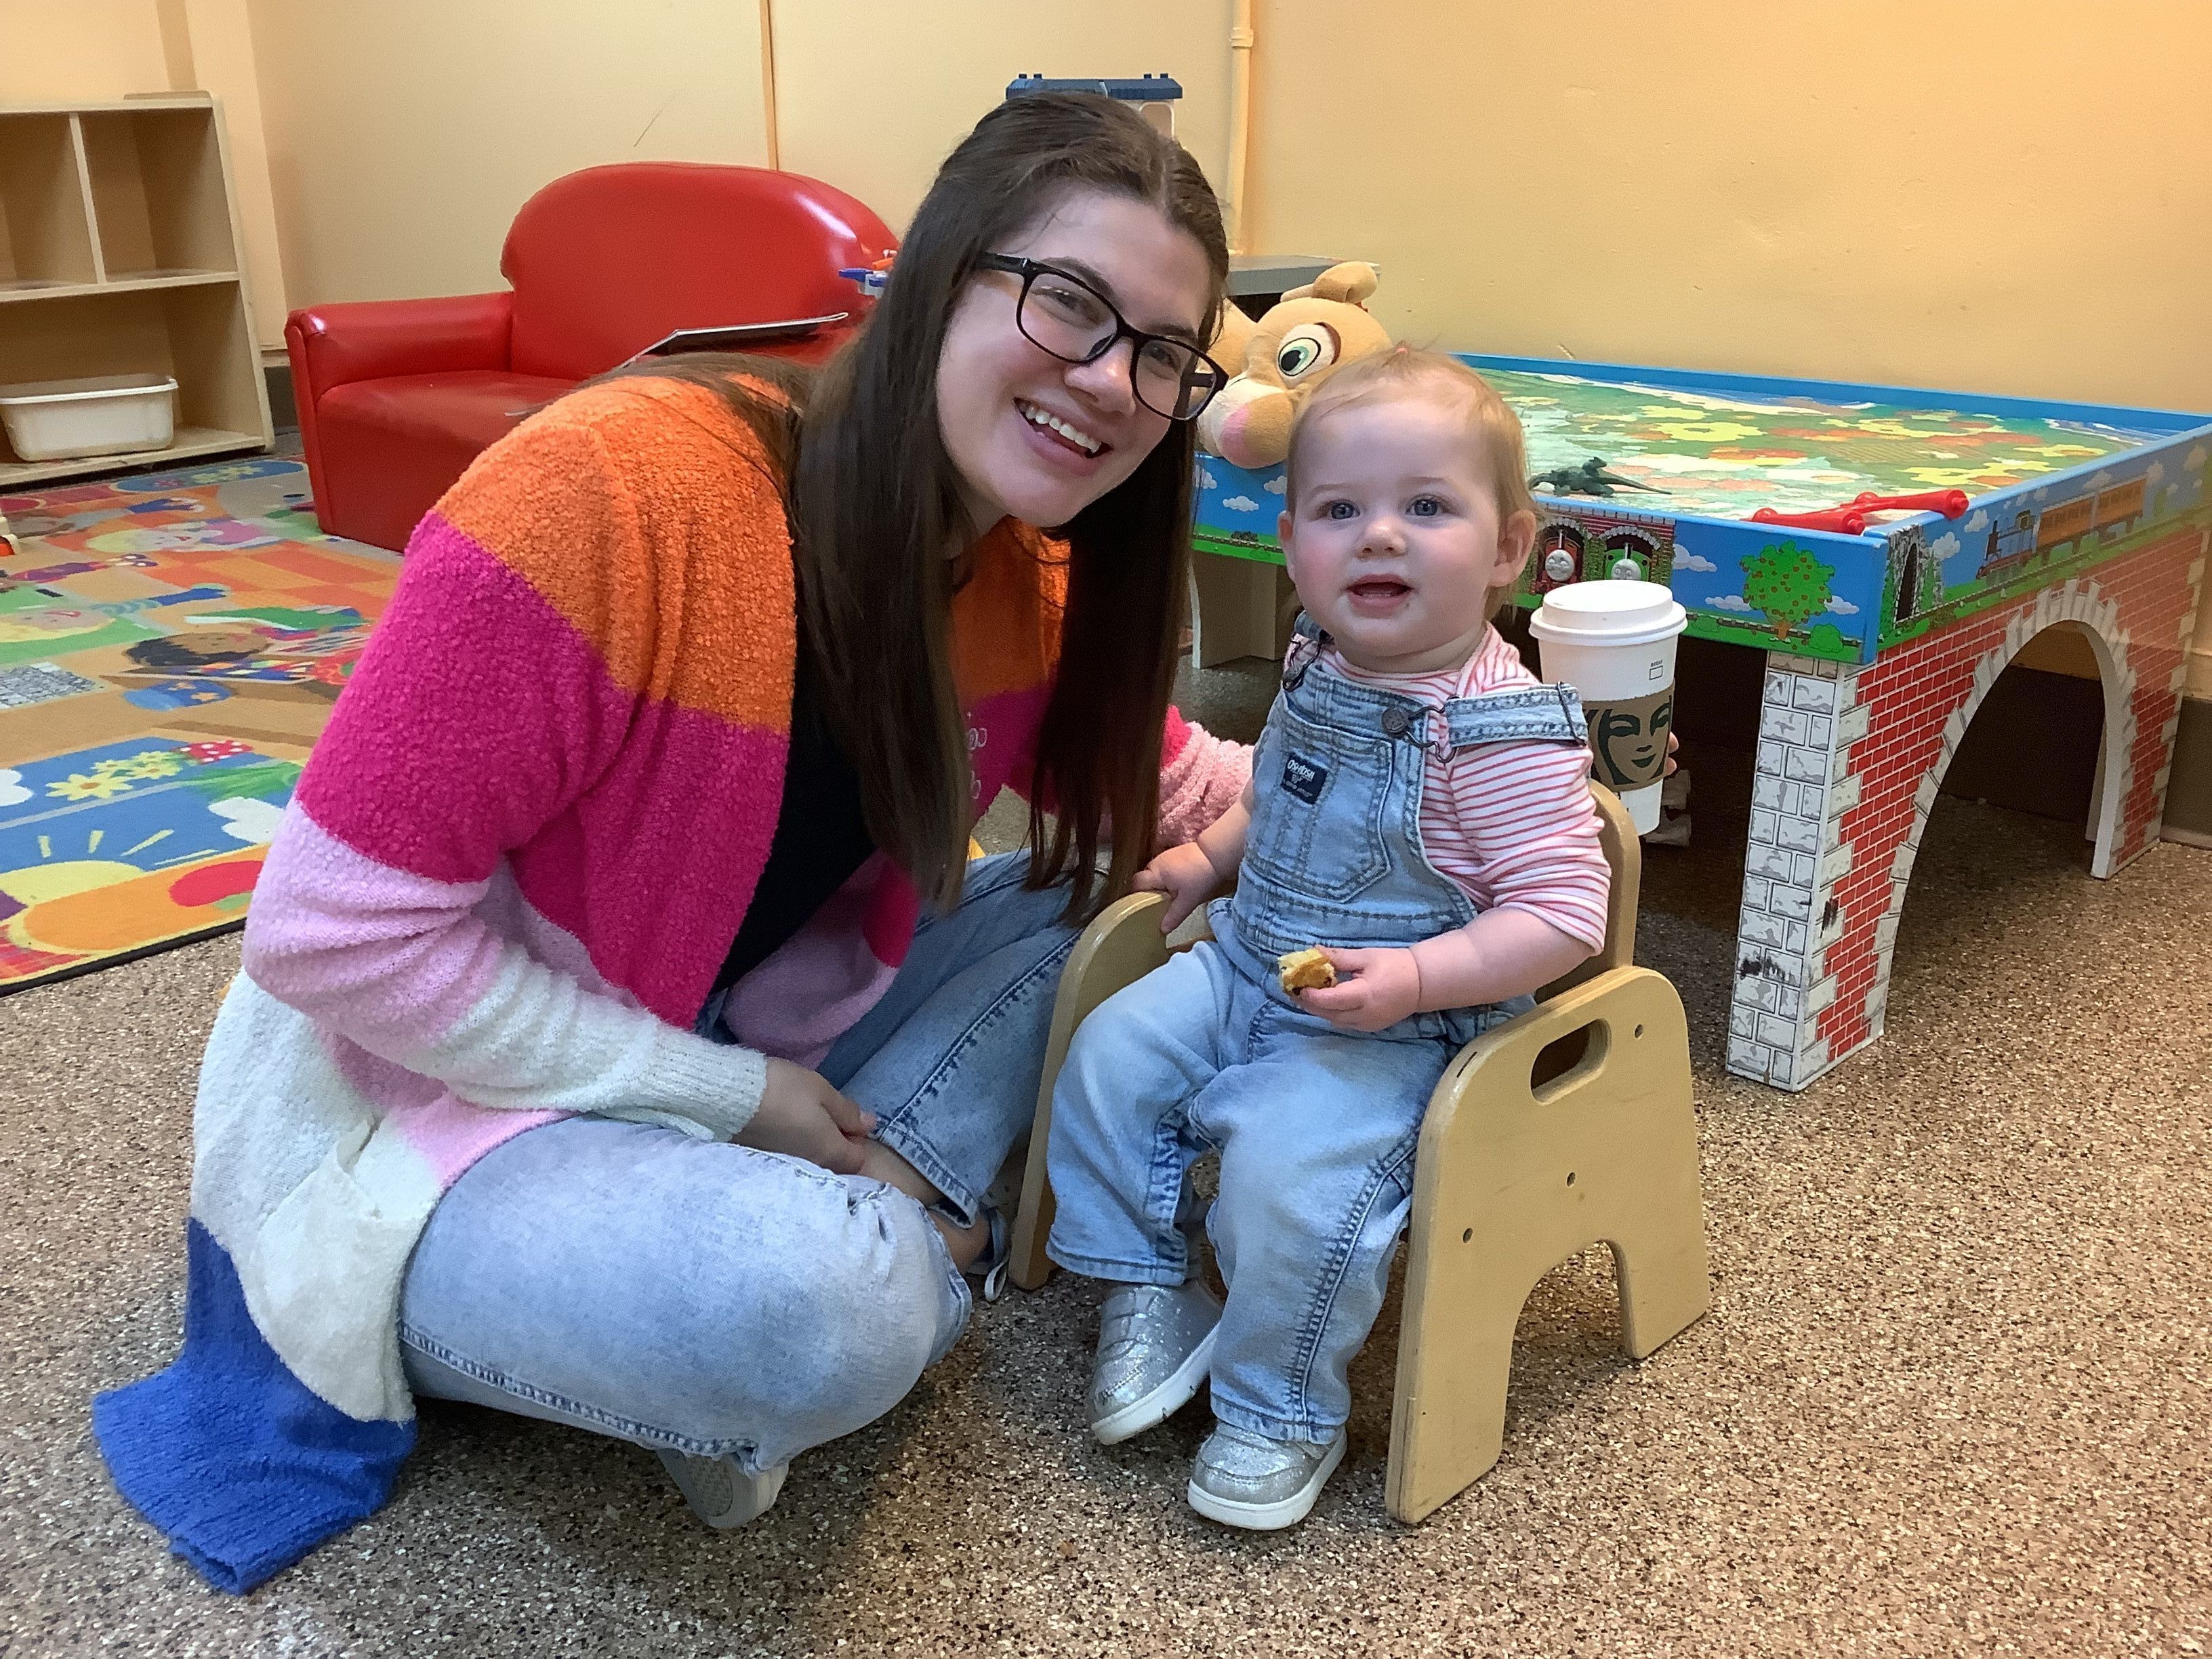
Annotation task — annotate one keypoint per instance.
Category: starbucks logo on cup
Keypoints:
(1629, 738)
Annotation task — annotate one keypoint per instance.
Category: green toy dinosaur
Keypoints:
(1592, 477)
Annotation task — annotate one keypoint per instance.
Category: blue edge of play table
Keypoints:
(2030, 534)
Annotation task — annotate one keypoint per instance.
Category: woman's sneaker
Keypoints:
(719, 1489)
(1155, 1345)
(1246, 1479)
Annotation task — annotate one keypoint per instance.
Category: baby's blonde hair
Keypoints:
(1405, 371)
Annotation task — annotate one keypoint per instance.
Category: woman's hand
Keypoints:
(1185, 875)
(803, 1116)
(1373, 990)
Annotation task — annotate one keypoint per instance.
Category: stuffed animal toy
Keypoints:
(1276, 362)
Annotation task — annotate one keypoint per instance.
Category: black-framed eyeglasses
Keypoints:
(1062, 313)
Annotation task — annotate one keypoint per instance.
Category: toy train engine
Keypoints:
(2011, 545)
(2027, 537)
(1632, 556)
(1558, 558)
(1594, 546)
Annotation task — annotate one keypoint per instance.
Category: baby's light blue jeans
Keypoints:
(1316, 1128)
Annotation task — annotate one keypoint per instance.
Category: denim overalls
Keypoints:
(1316, 1127)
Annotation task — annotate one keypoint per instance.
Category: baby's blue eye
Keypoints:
(1424, 506)
(1342, 510)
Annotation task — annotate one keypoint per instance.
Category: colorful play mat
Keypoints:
(1726, 453)
(170, 645)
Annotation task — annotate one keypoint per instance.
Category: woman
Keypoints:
(623, 1038)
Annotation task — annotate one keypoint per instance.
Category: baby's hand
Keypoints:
(1373, 990)
(1185, 875)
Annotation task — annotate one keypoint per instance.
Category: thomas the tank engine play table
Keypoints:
(1883, 627)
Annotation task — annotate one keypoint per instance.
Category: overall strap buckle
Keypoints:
(1307, 638)
(1529, 713)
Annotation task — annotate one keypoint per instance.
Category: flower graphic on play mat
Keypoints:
(12, 792)
(254, 822)
(134, 769)
(89, 786)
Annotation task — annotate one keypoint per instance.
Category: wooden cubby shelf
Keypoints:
(119, 254)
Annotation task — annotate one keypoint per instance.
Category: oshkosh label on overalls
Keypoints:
(1303, 778)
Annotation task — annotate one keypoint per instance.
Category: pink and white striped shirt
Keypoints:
(1508, 824)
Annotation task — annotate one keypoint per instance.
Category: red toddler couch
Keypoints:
(397, 397)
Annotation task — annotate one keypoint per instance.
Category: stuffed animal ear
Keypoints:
(1230, 338)
(1349, 282)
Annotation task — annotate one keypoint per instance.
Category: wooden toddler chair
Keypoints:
(1568, 1126)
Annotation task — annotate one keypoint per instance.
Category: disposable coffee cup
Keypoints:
(1614, 641)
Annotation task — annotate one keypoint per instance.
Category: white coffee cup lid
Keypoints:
(1608, 613)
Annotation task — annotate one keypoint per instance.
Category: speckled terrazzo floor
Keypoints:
(1952, 1396)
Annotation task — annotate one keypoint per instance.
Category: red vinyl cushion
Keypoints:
(391, 448)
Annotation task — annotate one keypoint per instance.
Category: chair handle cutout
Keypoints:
(1562, 1064)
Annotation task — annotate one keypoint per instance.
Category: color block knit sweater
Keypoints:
(513, 865)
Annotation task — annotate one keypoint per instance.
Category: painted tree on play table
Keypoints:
(1788, 584)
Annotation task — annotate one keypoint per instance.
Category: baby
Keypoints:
(1420, 809)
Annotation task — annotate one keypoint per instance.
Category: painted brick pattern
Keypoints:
(1789, 865)
(1850, 761)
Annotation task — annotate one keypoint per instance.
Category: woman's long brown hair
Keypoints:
(874, 505)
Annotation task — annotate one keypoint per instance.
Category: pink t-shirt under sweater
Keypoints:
(1508, 824)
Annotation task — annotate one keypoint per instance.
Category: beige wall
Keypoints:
(872, 93)
(209, 45)
(59, 50)
(1995, 195)
(2008, 195)
(2001, 195)
(403, 134)
(55, 50)
(2004, 195)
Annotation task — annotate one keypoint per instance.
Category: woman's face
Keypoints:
(999, 395)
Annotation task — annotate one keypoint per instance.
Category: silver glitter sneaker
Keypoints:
(1155, 1344)
(719, 1492)
(1243, 1480)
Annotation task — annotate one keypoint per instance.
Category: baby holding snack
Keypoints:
(1416, 854)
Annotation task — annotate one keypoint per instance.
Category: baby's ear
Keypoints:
(1515, 539)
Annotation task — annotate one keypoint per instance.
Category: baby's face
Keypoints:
(1394, 541)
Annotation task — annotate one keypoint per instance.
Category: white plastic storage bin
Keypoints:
(102, 415)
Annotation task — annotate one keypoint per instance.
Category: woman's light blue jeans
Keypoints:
(712, 1299)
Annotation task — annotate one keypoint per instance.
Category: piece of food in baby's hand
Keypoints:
(1310, 969)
